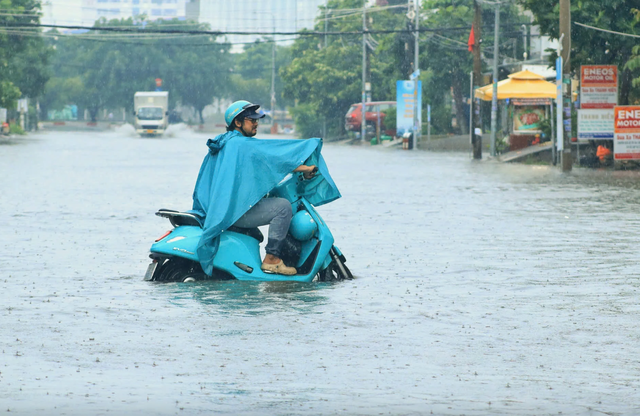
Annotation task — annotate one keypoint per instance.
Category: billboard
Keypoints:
(405, 99)
(598, 86)
(626, 145)
(595, 124)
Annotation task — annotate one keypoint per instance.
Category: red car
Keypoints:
(353, 118)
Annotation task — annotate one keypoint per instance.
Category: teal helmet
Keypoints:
(239, 107)
(303, 226)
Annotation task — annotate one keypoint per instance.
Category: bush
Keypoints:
(440, 119)
(390, 120)
(14, 128)
(309, 124)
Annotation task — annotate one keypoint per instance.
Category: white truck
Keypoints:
(151, 111)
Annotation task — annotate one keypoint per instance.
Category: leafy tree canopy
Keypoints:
(23, 54)
(112, 67)
(325, 81)
(592, 47)
(448, 59)
(252, 73)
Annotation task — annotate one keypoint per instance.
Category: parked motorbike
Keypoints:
(309, 246)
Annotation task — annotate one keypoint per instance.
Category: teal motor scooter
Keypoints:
(309, 246)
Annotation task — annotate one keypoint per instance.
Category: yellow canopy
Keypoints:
(523, 84)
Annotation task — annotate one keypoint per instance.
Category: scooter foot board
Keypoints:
(264, 277)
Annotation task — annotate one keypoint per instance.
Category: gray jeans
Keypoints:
(273, 211)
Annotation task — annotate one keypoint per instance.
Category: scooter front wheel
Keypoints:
(179, 270)
(327, 275)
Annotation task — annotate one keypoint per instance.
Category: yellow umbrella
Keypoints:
(523, 84)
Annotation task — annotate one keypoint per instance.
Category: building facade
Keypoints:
(86, 12)
(263, 16)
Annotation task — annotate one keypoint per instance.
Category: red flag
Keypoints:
(472, 40)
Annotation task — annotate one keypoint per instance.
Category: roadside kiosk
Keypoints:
(530, 101)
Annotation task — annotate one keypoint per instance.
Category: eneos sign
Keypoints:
(627, 132)
(594, 75)
(598, 86)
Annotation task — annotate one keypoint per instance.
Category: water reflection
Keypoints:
(247, 298)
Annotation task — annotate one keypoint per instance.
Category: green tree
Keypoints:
(23, 55)
(251, 77)
(198, 78)
(325, 81)
(448, 59)
(61, 91)
(30, 67)
(9, 94)
(633, 64)
(593, 47)
(194, 68)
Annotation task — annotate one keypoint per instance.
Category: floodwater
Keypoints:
(481, 289)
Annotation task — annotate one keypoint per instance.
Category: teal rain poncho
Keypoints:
(238, 171)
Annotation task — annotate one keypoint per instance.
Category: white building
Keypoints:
(62, 12)
(86, 12)
(260, 16)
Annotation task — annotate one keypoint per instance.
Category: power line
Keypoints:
(452, 40)
(613, 32)
(20, 14)
(239, 33)
(141, 40)
(357, 12)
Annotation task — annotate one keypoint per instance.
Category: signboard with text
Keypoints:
(595, 124)
(626, 145)
(598, 86)
(405, 101)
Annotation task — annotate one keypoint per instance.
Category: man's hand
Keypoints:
(308, 172)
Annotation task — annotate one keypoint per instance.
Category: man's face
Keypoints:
(249, 127)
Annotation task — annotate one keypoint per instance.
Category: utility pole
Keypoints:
(274, 126)
(326, 22)
(565, 33)
(477, 80)
(363, 125)
(525, 38)
(416, 70)
(559, 131)
(494, 99)
(326, 29)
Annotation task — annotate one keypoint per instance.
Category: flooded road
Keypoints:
(481, 289)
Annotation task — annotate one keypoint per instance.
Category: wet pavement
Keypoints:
(481, 289)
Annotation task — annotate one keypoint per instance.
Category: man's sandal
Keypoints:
(279, 268)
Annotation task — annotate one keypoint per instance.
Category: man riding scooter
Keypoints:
(255, 162)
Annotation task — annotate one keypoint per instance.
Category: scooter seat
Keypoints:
(178, 218)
